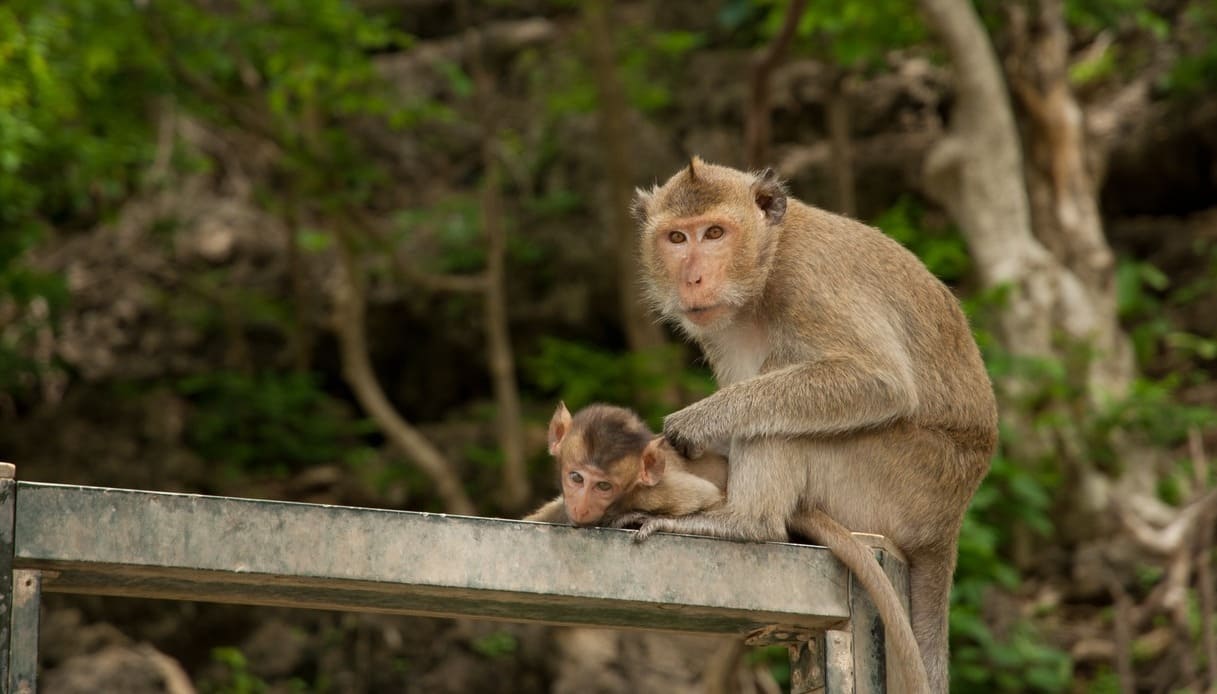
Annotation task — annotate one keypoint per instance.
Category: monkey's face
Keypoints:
(698, 258)
(589, 492)
(708, 239)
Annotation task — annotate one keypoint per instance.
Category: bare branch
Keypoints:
(756, 123)
(1171, 538)
(1205, 586)
(1122, 623)
(612, 114)
(357, 370)
(501, 360)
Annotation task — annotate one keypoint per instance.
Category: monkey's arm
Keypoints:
(834, 394)
(552, 512)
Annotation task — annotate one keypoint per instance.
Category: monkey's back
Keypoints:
(855, 273)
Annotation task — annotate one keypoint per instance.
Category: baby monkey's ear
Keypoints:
(654, 460)
(559, 425)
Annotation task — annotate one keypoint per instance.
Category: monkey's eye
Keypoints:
(604, 486)
(676, 236)
(715, 232)
(576, 478)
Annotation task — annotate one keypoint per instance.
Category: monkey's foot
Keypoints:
(652, 525)
(630, 520)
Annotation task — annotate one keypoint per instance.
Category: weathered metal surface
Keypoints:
(839, 663)
(26, 605)
(152, 544)
(866, 626)
(8, 487)
(856, 659)
(807, 666)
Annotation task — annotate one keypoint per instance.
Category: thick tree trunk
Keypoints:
(1064, 200)
(977, 173)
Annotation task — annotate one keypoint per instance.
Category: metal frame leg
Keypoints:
(856, 658)
(8, 503)
(23, 648)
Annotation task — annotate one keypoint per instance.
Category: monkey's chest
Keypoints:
(739, 354)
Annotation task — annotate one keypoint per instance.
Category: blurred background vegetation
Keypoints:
(355, 251)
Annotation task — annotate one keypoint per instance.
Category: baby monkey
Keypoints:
(613, 467)
(610, 464)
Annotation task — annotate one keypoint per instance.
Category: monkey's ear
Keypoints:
(769, 192)
(640, 207)
(559, 424)
(654, 460)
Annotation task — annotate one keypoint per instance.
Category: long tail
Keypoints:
(860, 560)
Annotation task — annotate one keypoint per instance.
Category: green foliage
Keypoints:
(1012, 495)
(495, 646)
(1195, 72)
(1094, 68)
(1096, 15)
(581, 375)
(647, 62)
(1143, 296)
(73, 142)
(73, 135)
(775, 659)
(268, 422)
(854, 34)
(1153, 409)
(1019, 662)
(33, 298)
(454, 226)
(239, 680)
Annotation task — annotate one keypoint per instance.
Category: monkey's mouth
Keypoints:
(704, 315)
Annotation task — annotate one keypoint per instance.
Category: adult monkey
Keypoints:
(849, 380)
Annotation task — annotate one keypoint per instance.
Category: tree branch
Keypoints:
(756, 122)
(349, 306)
(499, 356)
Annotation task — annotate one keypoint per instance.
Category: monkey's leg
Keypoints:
(767, 479)
(930, 587)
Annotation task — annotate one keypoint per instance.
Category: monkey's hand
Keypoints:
(691, 432)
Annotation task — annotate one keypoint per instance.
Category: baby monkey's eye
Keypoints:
(604, 486)
(715, 232)
(576, 478)
(676, 236)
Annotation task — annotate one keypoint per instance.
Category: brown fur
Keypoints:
(685, 486)
(849, 379)
(611, 444)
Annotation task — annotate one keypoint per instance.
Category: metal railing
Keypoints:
(102, 541)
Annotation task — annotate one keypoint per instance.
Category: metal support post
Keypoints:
(8, 503)
(23, 649)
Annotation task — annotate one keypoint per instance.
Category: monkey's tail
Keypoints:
(860, 560)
